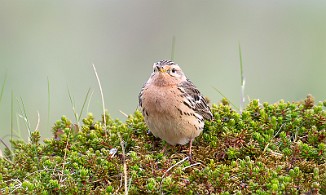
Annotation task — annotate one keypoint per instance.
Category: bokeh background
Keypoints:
(56, 42)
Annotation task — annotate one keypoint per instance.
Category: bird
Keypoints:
(173, 108)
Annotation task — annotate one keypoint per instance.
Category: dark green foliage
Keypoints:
(267, 149)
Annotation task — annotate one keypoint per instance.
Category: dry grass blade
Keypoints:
(243, 81)
(102, 97)
(23, 116)
(123, 113)
(38, 121)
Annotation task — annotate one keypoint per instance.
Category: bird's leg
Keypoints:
(190, 145)
(163, 149)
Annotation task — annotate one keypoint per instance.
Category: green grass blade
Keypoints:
(3, 88)
(12, 116)
(89, 101)
(225, 97)
(85, 100)
(4, 143)
(49, 103)
(73, 106)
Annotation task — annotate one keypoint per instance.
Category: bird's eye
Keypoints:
(173, 70)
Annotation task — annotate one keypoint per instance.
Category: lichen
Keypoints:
(267, 149)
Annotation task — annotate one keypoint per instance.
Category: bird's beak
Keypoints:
(160, 69)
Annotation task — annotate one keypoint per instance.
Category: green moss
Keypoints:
(267, 149)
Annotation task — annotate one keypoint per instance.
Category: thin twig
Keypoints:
(64, 158)
(273, 137)
(124, 164)
(181, 161)
(192, 165)
(176, 164)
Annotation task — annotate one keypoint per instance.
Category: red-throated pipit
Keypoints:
(173, 108)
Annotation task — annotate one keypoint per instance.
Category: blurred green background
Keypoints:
(283, 46)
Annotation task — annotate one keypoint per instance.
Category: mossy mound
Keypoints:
(267, 149)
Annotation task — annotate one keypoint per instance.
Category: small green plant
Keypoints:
(267, 149)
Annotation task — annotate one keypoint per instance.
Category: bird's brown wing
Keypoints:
(194, 100)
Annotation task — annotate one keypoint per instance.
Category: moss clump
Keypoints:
(267, 149)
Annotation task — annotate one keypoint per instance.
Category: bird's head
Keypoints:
(166, 72)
